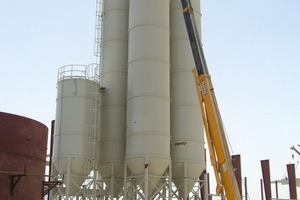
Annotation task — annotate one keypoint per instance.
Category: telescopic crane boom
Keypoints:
(215, 134)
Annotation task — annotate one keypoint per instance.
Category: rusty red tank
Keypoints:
(23, 144)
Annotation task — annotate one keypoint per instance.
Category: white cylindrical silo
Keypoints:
(187, 131)
(148, 91)
(75, 121)
(113, 98)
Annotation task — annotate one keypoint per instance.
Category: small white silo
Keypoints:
(148, 92)
(75, 125)
(187, 131)
(111, 152)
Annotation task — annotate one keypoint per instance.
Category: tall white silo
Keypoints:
(113, 98)
(148, 92)
(75, 125)
(187, 131)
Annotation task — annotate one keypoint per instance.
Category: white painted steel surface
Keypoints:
(113, 98)
(148, 93)
(187, 131)
(71, 138)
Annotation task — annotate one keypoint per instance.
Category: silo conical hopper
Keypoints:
(111, 153)
(74, 140)
(72, 170)
(148, 91)
(187, 131)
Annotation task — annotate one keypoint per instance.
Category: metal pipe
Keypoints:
(246, 188)
(51, 149)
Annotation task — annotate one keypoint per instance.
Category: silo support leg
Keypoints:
(185, 181)
(68, 177)
(146, 178)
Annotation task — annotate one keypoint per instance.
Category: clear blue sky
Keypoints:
(252, 49)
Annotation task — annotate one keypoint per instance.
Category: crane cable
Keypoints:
(232, 152)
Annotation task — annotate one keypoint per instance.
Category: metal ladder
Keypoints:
(93, 73)
(93, 112)
(99, 31)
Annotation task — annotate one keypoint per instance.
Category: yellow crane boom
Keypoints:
(215, 134)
